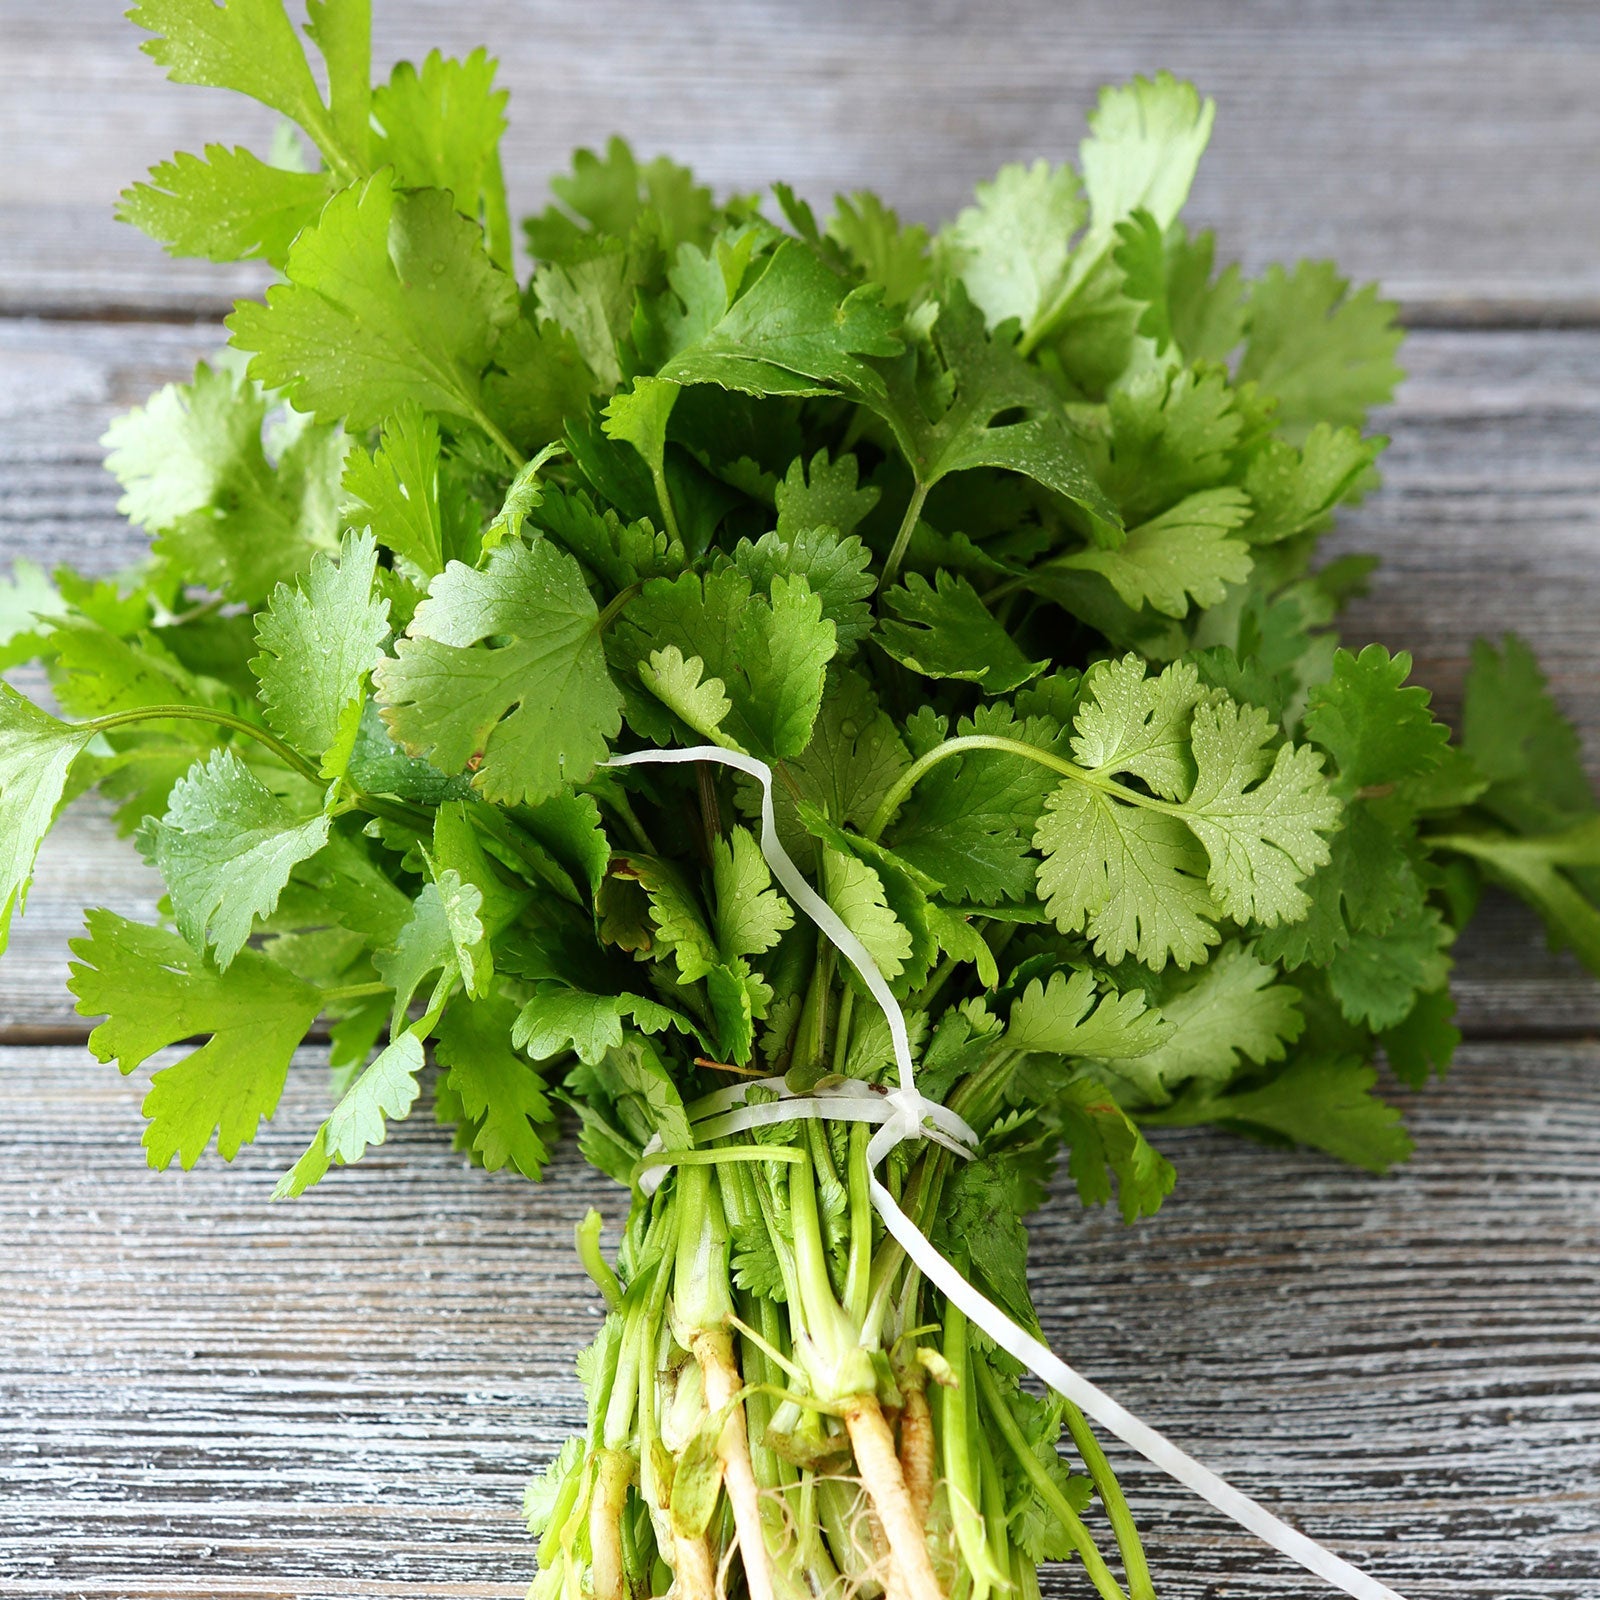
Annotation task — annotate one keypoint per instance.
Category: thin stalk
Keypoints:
(918, 769)
(219, 719)
(908, 524)
(957, 1415)
(1111, 1497)
(858, 1276)
(1045, 1487)
(340, 993)
(614, 606)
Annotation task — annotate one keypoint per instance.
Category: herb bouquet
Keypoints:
(990, 550)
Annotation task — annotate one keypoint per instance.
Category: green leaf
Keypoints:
(1537, 868)
(36, 753)
(797, 329)
(1147, 137)
(947, 632)
(319, 642)
(769, 656)
(155, 991)
(1232, 1011)
(969, 822)
(1132, 880)
(1187, 553)
(1011, 248)
(1128, 721)
(885, 250)
(1126, 870)
(1171, 433)
(531, 714)
(384, 1092)
(1102, 1142)
(641, 416)
(390, 299)
(836, 570)
(226, 206)
(394, 492)
(822, 495)
(751, 915)
(441, 129)
(989, 380)
(855, 891)
(1519, 740)
(513, 1122)
(245, 45)
(557, 1020)
(1324, 354)
(1293, 490)
(196, 474)
(1377, 977)
(1376, 731)
(225, 849)
(1324, 1102)
(1423, 1042)
(443, 934)
(1070, 1016)
(1261, 817)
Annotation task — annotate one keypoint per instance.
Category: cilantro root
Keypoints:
(998, 545)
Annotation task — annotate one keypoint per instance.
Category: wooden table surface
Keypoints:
(203, 1395)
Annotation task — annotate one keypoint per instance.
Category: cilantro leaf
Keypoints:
(944, 630)
(195, 472)
(1186, 553)
(225, 849)
(1070, 1016)
(394, 492)
(1518, 739)
(36, 754)
(1322, 1101)
(1012, 247)
(225, 206)
(795, 330)
(390, 299)
(155, 991)
(1231, 1012)
(1324, 354)
(382, 1092)
(557, 1020)
(855, 891)
(1103, 1141)
(319, 642)
(443, 934)
(513, 1122)
(767, 656)
(835, 570)
(531, 713)
(1376, 731)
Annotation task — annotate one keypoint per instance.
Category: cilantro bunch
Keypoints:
(997, 544)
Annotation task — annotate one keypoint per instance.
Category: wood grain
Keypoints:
(1444, 146)
(1489, 519)
(204, 1394)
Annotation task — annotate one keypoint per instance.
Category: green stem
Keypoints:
(219, 719)
(507, 449)
(664, 500)
(340, 993)
(858, 1276)
(614, 605)
(919, 768)
(908, 524)
(1045, 1486)
(1111, 1497)
(962, 1468)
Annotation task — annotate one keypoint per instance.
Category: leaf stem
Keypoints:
(352, 991)
(220, 719)
(1044, 1486)
(908, 524)
(919, 768)
(1122, 1523)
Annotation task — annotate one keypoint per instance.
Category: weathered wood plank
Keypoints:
(1440, 147)
(1489, 519)
(207, 1395)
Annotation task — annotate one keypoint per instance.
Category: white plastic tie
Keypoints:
(903, 1113)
